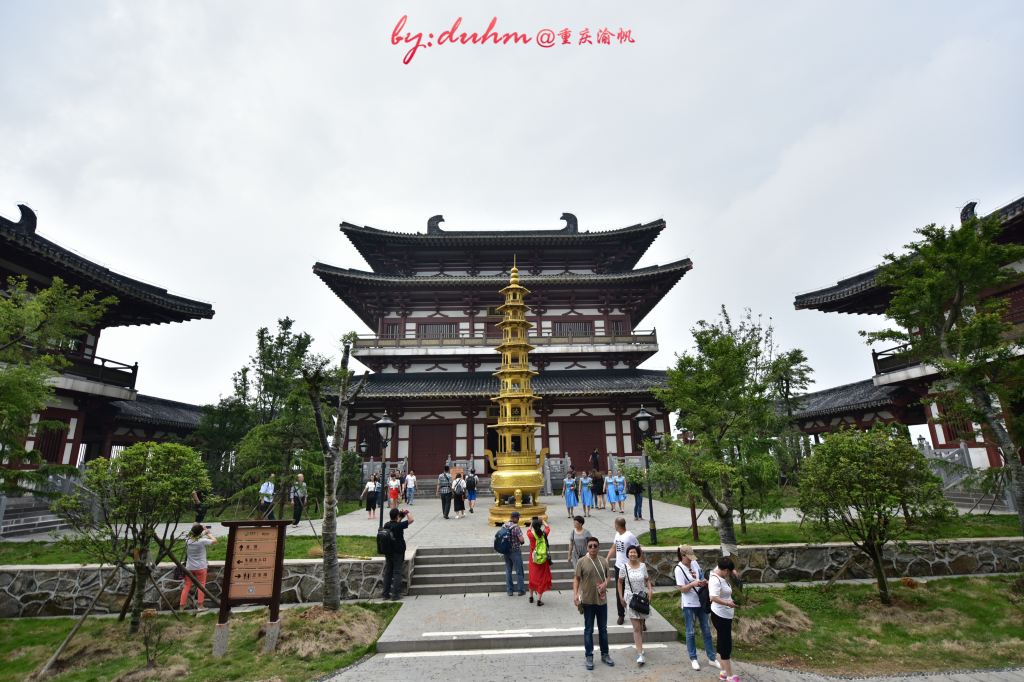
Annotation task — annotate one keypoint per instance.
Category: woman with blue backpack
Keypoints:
(540, 559)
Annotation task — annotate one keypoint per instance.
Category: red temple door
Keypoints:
(429, 447)
(579, 439)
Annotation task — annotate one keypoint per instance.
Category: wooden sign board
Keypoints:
(254, 566)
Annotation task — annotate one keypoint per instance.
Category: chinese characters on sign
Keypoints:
(252, 566)
(545, 37)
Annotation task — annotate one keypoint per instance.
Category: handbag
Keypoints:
(640, 602)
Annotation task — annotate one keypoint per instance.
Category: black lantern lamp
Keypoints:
(644, 421)
(384, 426)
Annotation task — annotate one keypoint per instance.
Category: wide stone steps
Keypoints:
(475, 570)
(30, 523)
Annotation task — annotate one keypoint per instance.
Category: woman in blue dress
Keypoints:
(617, 491)
(587, 493)
(569, 490)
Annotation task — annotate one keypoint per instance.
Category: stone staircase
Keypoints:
(428, 488)
(968, 498)
(476, 570)
(28, 516)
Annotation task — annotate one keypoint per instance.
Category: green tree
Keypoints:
(945, 313)
(266, 407)
(131, 503)
(723, 391)
(857, 483)
(35, 328)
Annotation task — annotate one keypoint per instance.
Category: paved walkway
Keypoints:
(565, 664)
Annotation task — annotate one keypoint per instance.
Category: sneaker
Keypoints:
(715, 664)
(722, 677)
(607, 660)
(590, 662)
(694, 664)
(470, 511)
(640, 660)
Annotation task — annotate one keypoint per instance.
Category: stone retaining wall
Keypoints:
(790, 562)
(66, 590)
(61, 590)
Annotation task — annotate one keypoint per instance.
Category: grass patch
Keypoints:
(965, 526)
(947, 624)
(313, 642)
(295, 547)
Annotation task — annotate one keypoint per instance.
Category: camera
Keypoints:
(403, 513)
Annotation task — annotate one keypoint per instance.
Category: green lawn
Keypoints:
(295, 547)
(948, 624)
(313, 642)
(966, 526)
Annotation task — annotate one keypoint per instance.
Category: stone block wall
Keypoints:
(62, 590)
(792, 562)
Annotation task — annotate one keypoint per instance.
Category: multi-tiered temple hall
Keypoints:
(431, 300)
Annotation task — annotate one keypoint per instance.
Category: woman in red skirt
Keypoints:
(540, 561)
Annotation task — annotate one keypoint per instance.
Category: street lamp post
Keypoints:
(644, 420)
(384, 426)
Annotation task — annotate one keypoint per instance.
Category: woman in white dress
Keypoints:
(370, 493)
(635, 580)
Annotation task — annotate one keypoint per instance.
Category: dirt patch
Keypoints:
(912, 619)
(790, 620)
(316, 631)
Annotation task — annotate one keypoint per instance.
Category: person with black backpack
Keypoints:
(471, 482)
(391, 543)
(696, 604)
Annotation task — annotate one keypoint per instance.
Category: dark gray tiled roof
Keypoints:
(138, 302)
(860, 395)
(157, 412)
(546, 237)
(476, 384)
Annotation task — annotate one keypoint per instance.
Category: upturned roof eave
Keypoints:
(93, 275)
(363, 237)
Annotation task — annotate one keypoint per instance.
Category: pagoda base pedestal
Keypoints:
(500, 514)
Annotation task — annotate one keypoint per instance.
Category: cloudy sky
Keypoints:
(213, 148)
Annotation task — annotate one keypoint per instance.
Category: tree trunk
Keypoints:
(332, 469)
(875, 552)
(1011, 459)
(141, 579)
(723, 522)
(332, 578)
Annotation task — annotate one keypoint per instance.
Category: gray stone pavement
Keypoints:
(664, 662)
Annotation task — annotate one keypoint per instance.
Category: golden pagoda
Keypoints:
(517, 477)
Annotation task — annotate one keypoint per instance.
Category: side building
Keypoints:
(431, 300)
(95, 396)
(897, 390)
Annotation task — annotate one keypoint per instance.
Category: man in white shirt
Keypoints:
(690, 580)
(624, 539)
(267, 498)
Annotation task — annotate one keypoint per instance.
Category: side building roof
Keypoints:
(862, 295)
(152, 411)
(389, 252)
(22, 250)
(858, 396)
(370, 295)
